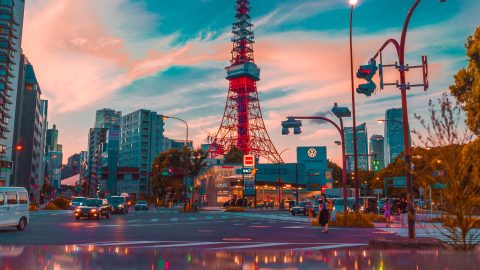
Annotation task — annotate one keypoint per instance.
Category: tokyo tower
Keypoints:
(242, 123)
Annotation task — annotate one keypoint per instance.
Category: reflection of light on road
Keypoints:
(90, 248)
(300, 259)
(116, 250)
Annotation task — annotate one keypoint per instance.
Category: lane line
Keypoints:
(101, 244)
(152, 224)
(135, 220)
(327, 247)
(253, 246)
(154, 220)
(183, 245)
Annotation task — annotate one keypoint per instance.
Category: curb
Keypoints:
(406, 243)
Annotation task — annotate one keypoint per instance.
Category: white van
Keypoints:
(14, 206)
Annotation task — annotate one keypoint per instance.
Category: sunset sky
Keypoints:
(169, 56)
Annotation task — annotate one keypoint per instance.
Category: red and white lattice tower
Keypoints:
(242, 124)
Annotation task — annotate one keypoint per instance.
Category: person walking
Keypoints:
(324, 215)
(402, 211)
(388, 211)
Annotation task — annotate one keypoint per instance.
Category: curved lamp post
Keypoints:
(165, 117)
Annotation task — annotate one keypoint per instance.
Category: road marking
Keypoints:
(192, 218)
(135, 220)
(208, 217)
(183, 245)
(150, 224)
(254, 246)
(260, 226)
(295, 227)
(174, 219)
(101, 244)
(154, 220)
(328, 247)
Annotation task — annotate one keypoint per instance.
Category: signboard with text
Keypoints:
(248, 161)
(249, 187)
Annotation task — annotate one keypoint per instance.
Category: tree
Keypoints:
(466, 87)
(170, 168)
(455, 163)
(233, 156)
(337, 174)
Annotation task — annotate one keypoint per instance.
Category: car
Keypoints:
(339, 207)
(119, 204)
(301, 208)
(76, 201)
(92, 208)
(14, 204)
(141, 205)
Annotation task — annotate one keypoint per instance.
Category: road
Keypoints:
(167, 228)
(166, 239)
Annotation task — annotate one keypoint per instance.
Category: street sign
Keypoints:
(399, 181)
(439, 173)
(378, 191)
(249, 187)
(244, 171)
(248, 161)
(439, 186)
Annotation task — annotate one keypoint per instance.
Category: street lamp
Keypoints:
(340, 112)
(403, 86)
(165, 117)
(355, 152)
(280, 193)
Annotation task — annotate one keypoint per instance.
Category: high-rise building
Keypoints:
(28, 132)
(105, 118)
(362, 147)
(96, 136)
(11, 24)
(141, 140)
(109, 160)
(377, 160)
(52, 140)
(176, 144)
(394, 145)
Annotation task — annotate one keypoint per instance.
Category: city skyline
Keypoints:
(174, 69)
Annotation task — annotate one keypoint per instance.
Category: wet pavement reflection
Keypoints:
(121, 257)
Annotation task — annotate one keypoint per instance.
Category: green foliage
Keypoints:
(457, 157)
(61, 203)
(466, 87)
(47, 188)
(235, 155)
(336, 174)
(179, 161)
(350, 220)
(235, 209)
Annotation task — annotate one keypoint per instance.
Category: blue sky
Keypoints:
(169, 56)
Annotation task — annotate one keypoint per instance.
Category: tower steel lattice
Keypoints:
(242, 123)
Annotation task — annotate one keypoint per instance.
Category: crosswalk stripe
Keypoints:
(154, 220)
(174, 219)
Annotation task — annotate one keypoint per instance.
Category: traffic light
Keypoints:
(376, 165)
(167, 172)
(291, 123)
(367, 72)
(366, 88)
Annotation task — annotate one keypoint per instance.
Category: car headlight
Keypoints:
(70, 203)
(93, 210)
(78, 210)
(120, 205)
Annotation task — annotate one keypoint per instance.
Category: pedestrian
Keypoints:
(402, 211)
(324, 215)
(387, 211)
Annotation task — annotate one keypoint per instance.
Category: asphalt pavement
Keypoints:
(170, 229)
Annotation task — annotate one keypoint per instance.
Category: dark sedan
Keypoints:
(119, 204)
(93, 208)
(141, 205)
(301, 208)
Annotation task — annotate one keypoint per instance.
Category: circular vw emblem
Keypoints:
(312, 152)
